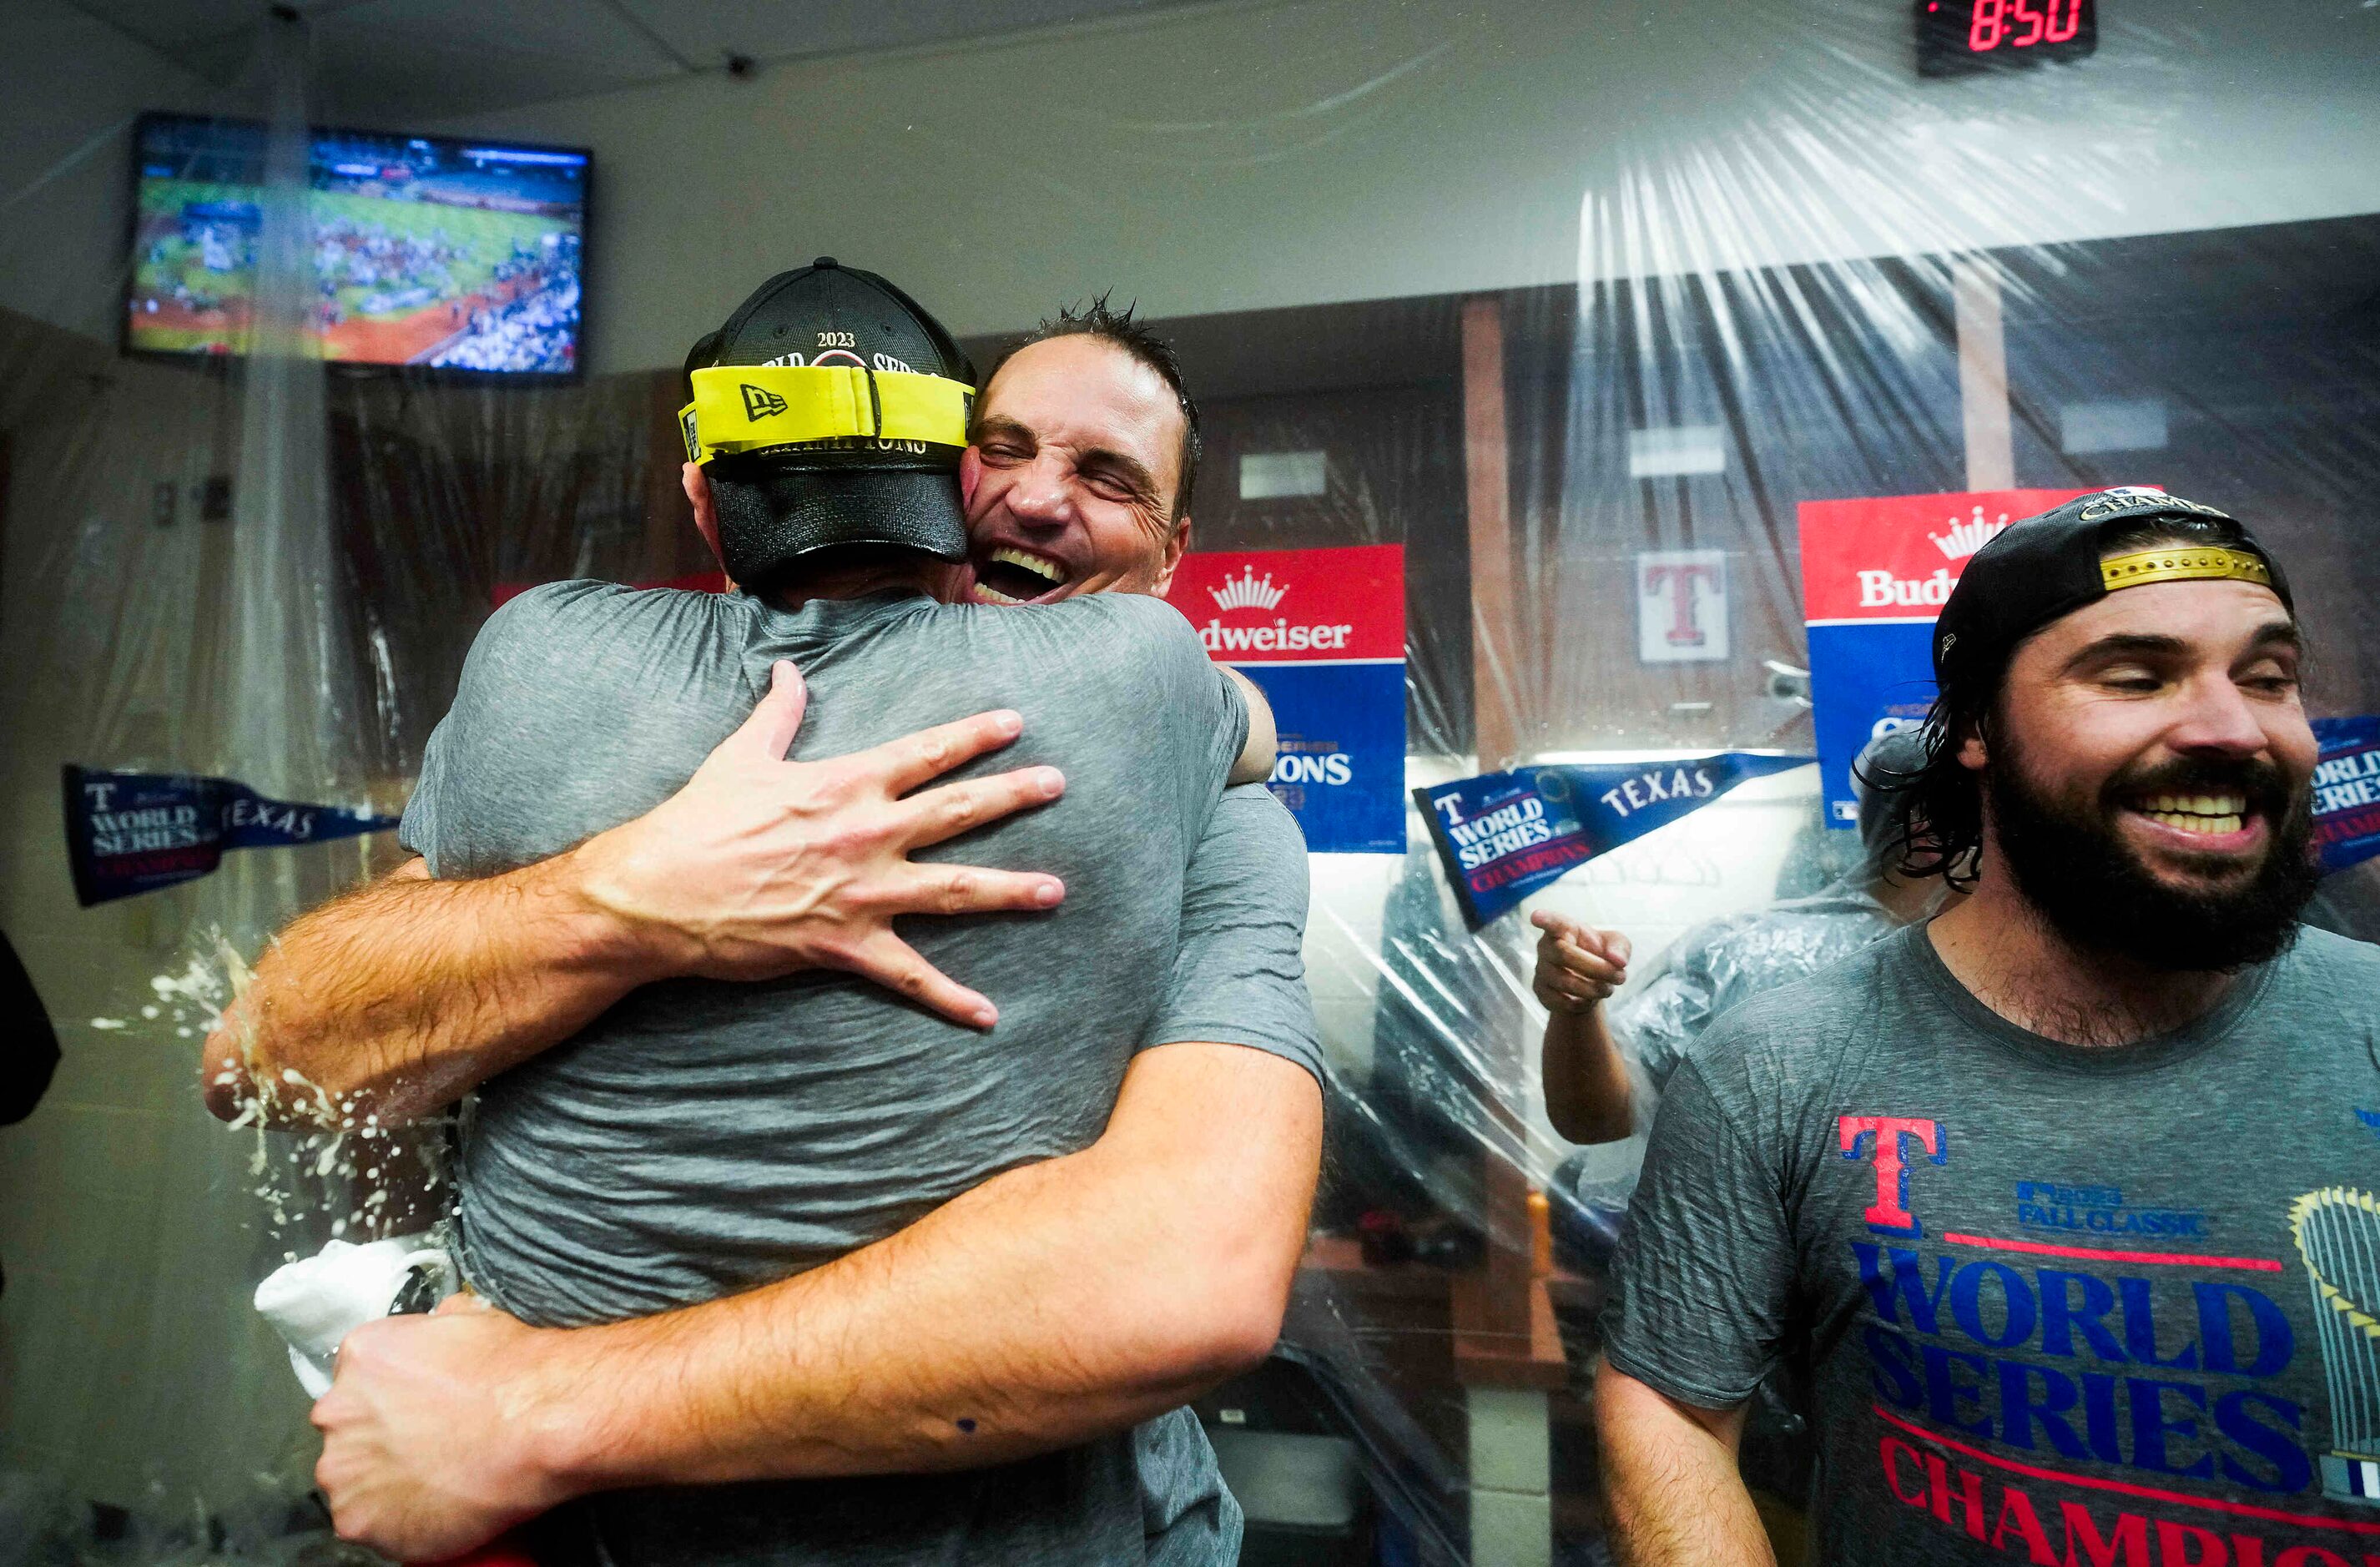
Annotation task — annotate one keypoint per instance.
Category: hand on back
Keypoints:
(1578, 967)
(761, 867)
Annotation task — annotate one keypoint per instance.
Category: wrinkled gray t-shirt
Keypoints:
(2058, 1305)
(703, 1137)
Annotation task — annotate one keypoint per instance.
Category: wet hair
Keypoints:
(1124, 331)
(1939, 829)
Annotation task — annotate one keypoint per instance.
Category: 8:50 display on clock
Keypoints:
(1955, 37)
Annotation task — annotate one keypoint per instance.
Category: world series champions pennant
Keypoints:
(1505, 835)
(131, 832)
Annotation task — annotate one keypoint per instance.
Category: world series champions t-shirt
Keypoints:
(2096, 1307)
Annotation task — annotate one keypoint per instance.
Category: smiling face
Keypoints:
(2147, 773)
(1069, 485)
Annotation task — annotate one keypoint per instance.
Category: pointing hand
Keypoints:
(1578, 967)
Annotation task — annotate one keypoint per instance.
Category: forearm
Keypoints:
(965, 1341)
(1056, 1303)
(1588, 1097)
(403, 995)
(1674, 1493)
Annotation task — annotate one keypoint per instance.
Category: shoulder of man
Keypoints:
(553, 617)
(1137, 649)
(2342, 974)
(1137, 616)
(1121, 642)
(546, 664)
(1780, 1043)
(558, 636)
(2330, 952)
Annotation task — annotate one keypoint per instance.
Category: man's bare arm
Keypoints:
(1057, 1301)
(397, 999)
(400, 997)
(1587, 1094)
(1588, 1097)
(1676, 1498)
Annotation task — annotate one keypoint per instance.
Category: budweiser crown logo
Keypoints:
(1964, 538)
(1248, 591)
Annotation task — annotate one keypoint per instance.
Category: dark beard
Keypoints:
(2093, 890)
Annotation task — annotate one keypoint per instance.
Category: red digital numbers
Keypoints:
(1989, 26)
(2021, 24)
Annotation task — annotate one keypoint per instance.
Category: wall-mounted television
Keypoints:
(465, 256)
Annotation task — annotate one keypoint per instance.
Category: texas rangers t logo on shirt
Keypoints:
(1887, 1138)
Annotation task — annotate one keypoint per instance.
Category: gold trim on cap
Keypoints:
(2177, 563)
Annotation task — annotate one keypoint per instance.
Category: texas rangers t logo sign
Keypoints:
(1680, 581)
(1883, 1135)
(1682, 605)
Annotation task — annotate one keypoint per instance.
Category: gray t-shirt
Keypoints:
(703, 1137)
(2057, 1305)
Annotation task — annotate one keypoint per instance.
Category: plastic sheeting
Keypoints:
(263, 570)
(1718, 965)
(269, 573)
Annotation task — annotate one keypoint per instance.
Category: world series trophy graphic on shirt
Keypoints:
(2337, 1233)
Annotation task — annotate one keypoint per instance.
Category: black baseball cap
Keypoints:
(777, 504)
(2047, 566)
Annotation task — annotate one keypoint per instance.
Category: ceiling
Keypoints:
(387, 63)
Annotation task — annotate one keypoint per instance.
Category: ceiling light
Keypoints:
(1676, 450)
(1274, 476)
(2125, 424)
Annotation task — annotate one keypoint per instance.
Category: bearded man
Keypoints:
(2058, 1199)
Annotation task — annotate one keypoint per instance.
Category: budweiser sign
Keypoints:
(1323, 632)
(1897, 557)
(1295, 606)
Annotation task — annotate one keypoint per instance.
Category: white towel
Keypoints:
(316, 1303)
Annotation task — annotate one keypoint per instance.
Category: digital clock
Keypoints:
(1955, 37)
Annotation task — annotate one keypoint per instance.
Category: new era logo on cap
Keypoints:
(759, 403)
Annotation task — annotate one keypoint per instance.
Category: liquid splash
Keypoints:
(320, 1167)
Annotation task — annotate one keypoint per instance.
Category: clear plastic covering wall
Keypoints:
(269, 570)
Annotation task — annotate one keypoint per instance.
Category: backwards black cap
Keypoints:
(831, 410)
(2047, 566)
